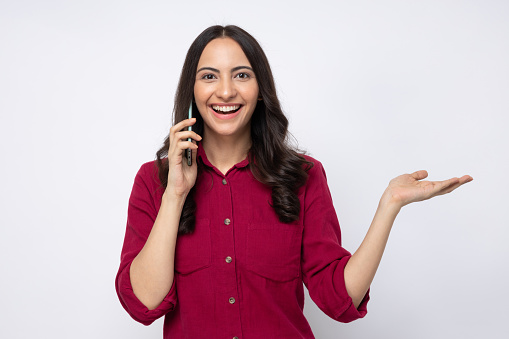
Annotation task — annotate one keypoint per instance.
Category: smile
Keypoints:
(226, 112)
(226, 109)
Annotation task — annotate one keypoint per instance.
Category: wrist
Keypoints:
(174, 199)
(389, 203)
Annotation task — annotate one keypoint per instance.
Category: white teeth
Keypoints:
(225, 108)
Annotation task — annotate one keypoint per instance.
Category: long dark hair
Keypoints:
(272, 160)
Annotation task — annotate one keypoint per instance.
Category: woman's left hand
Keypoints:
(408, 188)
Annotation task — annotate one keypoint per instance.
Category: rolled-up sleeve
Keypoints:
(142, 212)
(323, 257)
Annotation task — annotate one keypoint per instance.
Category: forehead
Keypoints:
(223, 53)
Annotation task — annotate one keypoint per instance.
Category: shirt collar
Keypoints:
(203, 156)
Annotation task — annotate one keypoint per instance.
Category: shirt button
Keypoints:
(224, 182)
(227, 221)
(232, 300)
(228, 259)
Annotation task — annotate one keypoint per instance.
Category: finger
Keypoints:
(447, 186)
(181, 125)
(449, 189)
(419, 175)
(187, 134)
(447, 183)
(194, 151)
(177, 148)
(184, 144)
(461, 181)
(466, 178)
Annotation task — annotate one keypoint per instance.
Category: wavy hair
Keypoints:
(272, 160)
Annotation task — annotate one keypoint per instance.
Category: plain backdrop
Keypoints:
(373, 89)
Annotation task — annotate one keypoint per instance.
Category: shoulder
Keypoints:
(316, 178)
(148, 167)
(316, 167)
(148, 174)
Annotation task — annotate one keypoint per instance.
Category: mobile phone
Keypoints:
(188, 151)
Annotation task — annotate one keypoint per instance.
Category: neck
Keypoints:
(225, 151)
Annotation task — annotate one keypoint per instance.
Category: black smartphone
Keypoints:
(188, 151)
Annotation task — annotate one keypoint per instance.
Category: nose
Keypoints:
(226, 89)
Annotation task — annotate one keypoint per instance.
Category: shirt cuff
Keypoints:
(136, 309)
(328, 290)
(350, 313)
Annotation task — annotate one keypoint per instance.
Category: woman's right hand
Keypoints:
(181, 177)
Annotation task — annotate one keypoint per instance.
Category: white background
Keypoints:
(373, 89)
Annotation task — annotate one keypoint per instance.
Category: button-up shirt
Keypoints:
(240, 274)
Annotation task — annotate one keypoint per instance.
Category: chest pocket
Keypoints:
(273, 251)
(193, 251)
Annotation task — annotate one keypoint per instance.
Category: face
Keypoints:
(225, 90)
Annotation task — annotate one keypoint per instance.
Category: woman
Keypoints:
(223, 246)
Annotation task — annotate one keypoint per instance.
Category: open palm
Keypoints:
(408, 188)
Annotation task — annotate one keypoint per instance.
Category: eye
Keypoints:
(208, 76)
(243, 75)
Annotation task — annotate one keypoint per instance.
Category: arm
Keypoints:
(142, 213)
(403, 190)
(144, 282)
(152, 270)
(323, 259)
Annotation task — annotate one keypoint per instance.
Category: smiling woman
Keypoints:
(223, 247)
(225, 92)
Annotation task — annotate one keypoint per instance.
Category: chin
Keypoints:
(228, 132)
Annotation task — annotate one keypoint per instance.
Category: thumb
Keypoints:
(419, 175)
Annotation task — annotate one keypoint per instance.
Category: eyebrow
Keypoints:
(217, 71)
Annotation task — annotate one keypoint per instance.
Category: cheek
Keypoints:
(251, 94)
(200, 94)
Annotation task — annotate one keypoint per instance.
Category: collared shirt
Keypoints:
(241, 273)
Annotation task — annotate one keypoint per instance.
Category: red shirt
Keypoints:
(240, 274)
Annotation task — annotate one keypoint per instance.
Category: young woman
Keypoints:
(222, 247)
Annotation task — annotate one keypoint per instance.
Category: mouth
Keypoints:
(226, 109)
